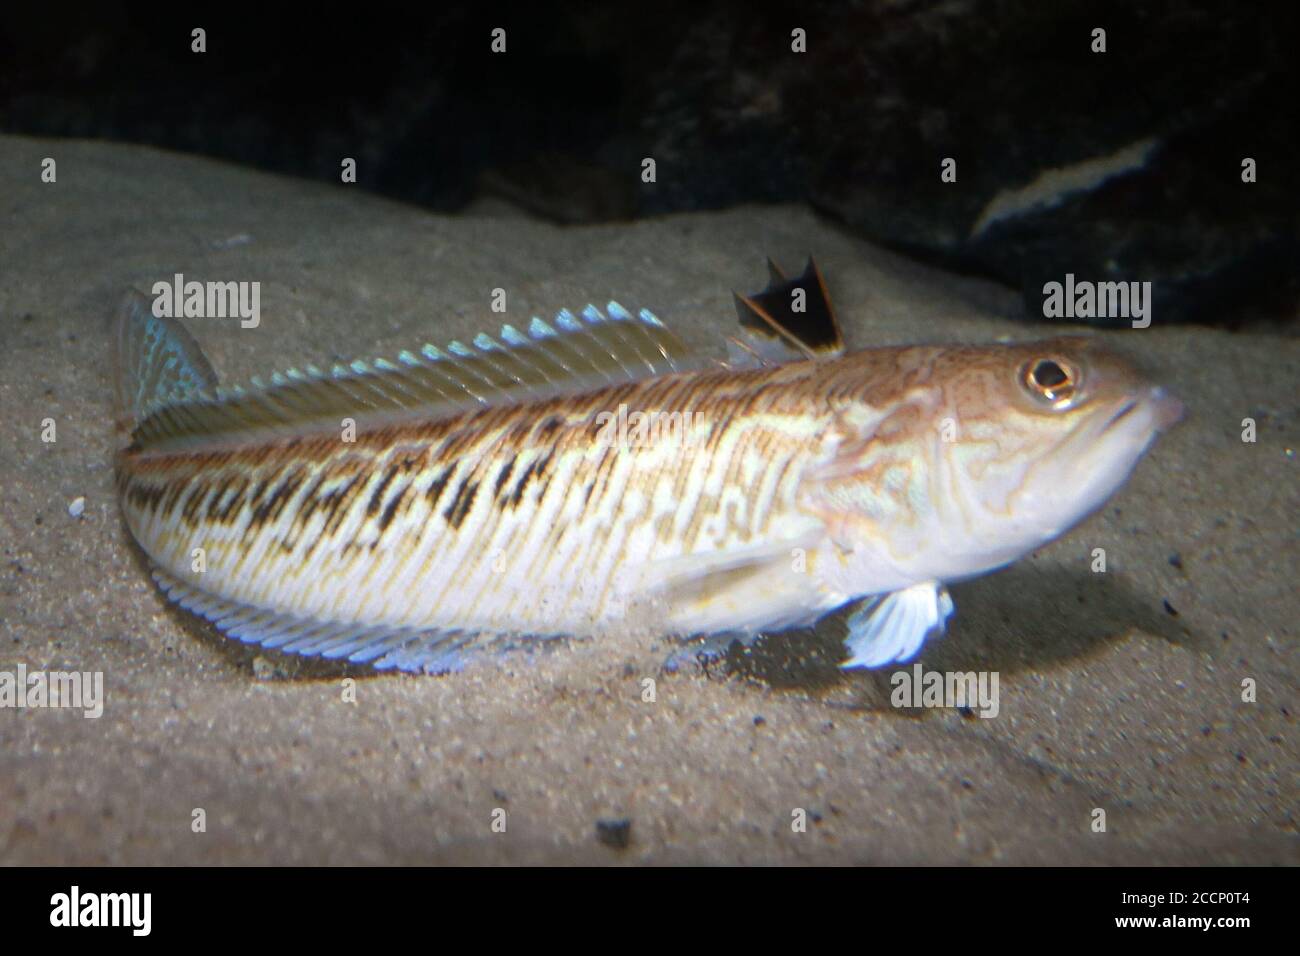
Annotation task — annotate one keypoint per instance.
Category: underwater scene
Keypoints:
(679, 435)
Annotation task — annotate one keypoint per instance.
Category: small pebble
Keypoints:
(614, 833)
(77, 508)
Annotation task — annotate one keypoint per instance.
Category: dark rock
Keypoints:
(1115, 166)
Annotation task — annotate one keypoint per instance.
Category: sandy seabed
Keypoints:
(1120, 691)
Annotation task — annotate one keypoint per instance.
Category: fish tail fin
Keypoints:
(156, 363)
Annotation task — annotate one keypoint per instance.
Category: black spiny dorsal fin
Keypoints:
(777, 330)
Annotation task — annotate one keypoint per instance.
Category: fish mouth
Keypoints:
(1120, 414)
(1166, 410)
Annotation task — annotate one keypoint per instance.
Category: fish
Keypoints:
(591, 475)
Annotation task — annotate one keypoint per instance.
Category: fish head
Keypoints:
(1042, 435)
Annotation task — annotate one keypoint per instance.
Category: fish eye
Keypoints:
(1050, 380)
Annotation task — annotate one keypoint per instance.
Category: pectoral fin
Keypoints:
(890, 629)
(739, 590)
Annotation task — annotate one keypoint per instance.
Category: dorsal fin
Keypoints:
(571, 354)
(773, 330)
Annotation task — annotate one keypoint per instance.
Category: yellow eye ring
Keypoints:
(1050, 380)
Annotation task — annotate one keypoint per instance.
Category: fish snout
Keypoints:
(1167, 410)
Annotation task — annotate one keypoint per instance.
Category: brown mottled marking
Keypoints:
(503, 475)
(390, 510)
(434, 491)
(461, 502)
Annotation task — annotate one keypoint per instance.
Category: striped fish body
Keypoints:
(557, 517)
(398, 514)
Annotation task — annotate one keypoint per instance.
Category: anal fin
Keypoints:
(382, 647)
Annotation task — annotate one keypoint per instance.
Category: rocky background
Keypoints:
(1122, 165)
